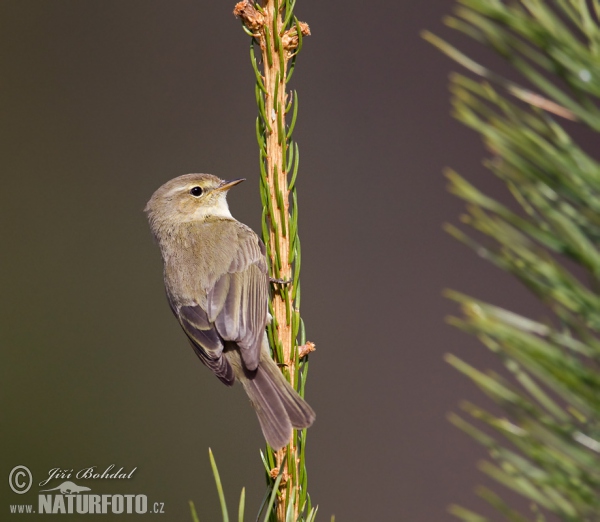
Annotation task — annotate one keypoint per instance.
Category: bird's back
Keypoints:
(207, 250)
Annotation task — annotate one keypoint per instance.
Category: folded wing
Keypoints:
(236, 309)
(237, 303)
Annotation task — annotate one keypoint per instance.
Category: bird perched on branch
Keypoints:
(215, 274)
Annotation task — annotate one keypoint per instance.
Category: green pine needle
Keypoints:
(242, 505)
(274, 491)
(193, 511)
(215, 471)
(547, 445)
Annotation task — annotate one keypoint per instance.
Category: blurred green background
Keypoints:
(104, 100)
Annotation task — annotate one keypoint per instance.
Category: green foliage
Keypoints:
(277, 115)
(270, 497)
(276, 37)
(547, 447)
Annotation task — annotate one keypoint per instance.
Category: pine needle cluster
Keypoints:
(546, 446)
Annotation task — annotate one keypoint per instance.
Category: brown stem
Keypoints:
(275, 103)
(277, 48)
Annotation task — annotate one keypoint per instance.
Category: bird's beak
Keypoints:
(226, 185)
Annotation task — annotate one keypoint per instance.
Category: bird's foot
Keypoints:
(280, 281)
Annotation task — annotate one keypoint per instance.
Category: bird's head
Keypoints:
(191, 197)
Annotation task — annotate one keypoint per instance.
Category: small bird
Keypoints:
(215, 273)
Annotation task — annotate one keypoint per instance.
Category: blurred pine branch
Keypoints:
(547, 446)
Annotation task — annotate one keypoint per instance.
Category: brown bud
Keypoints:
(305, 349)
(252, 18)
(274, 473)
(290, 37)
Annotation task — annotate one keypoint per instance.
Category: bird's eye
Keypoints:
(196, 192)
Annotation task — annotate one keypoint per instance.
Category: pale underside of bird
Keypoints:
(215, 274)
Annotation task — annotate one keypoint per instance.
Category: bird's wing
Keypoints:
(206, 341)
(237, 302)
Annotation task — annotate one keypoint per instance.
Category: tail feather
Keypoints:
(301, 415)
(277, 404)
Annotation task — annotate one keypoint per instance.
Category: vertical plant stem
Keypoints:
(277, 34)
(275, 76)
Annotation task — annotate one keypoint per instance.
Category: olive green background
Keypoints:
(104, 100)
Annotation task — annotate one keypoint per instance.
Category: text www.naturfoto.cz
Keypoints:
(21, 508)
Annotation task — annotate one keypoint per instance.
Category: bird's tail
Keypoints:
(277, 404)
